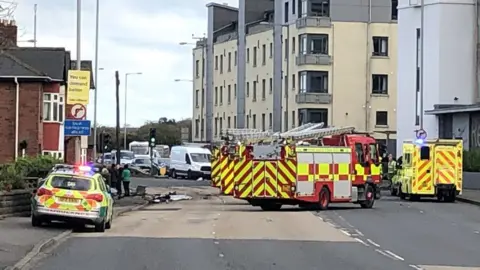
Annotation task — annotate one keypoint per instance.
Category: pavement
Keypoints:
(470, 196)
(18, 237)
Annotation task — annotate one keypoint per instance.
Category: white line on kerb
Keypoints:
(340, 217)
(373, 243)
(361, 242)
(394, 255)
(359, 232)
(384, 254)
(348, 224)
(346, 233)
(415, 267)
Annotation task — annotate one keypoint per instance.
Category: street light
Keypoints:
(126, 96)
(287, 68)
(97, 24)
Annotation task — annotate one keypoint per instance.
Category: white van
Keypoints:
(190, 162)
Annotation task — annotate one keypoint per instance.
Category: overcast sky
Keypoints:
(135, 36)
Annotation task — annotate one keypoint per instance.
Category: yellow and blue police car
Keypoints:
(73, 194)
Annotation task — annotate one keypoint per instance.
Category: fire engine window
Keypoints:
(359, 152)
(424, 153)
(373, 152)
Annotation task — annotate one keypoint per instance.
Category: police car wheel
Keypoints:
(108, 225)
(100, 227)
(36, 222)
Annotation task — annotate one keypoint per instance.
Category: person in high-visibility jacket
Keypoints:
(392, 167)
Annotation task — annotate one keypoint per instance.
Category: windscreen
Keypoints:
(127, 155)
(71, 183)
(198, 157)
(139, 149)
(142, 161)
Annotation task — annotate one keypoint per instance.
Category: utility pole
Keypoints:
(422, 34)
(117, 129)
(95, 111)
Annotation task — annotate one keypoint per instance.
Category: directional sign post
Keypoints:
(77, 128)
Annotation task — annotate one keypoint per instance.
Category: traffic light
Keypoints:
(152, 138)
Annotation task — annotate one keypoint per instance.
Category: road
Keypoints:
(166, 182)
(222, 233)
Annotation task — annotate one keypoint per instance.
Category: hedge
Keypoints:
(12, 175)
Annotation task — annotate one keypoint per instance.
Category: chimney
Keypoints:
(8, 33)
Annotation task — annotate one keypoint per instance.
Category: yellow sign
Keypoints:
(78, 90)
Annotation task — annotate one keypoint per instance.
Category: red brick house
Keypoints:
(33, 95)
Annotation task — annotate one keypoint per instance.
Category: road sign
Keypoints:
(421, 134)
(78, 111)
(77, 128)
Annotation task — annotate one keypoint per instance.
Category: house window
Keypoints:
(221, 95)
(263, 122)
(286, 10)
(293, 119)
(313, 82)
(203, 67)
(220, 120)
(314, 44)
(228, 122)
(248, 89)
(197, 128)
(235, 60)
(197, 92)
(53, 108)
(380, 84)
(293, 7)
(293, 82)
(197, 67)
(229, 61)
(321, 9)
(285, 82)
(248, 55)
(293, 45)
(221, 64)
(254, 56)
(270, 122)
(270, 86)
(271, 49)
(394, 10)
(216, 126)
(216, 62)
(254, 121)
(55, 154)
(216, 96)
(381, 118)
(303, 82)
(264, 54)
(255, 91)
(380, 46)
(264, 89)
(304, 9)
(286, 49)
(229, 94)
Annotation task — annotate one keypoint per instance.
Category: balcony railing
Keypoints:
(313, 98)
(318, 22)
(313, 59)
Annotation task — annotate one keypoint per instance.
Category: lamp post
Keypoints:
(202, 44)
(97, 23)
(126, 96)
(422, 35)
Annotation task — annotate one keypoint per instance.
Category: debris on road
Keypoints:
(169, 197)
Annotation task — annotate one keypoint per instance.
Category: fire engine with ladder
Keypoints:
(309, 166)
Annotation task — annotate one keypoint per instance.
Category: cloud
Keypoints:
(135, 36)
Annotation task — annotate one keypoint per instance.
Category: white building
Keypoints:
(450, 70)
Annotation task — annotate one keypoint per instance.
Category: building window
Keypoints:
(264, 54)
(293, 82)
(313, 82)
(248, 55)
(254, 56)
(381, 118)
(203, 67)
(221, 64)
(270, 86)
(55, 154)
(197, 68)
(221, 95)
(203, 97)
(394, 10)
(197, 92)
(321, 9)
(216, 62)
(228, 122)
(216, 126)
(270, 122)
(271, 50)
(285, 82)
(234, 122)
(235, 90)
(380, 46)
(216, 96)
(202, 122)
(197, 128)
(229, 61)
(285, 52)
(293, 45)
(248, 90)
(254, 91)
(248, 121)
(285, 121)
(314, 44)
(264, 89)
(53, 108)
(293, 7)
(304, 9)
(286, 10)
(235, 60)
(254, 121)
(220, 120)
(293, 119)
(380, 84)
(263, 122)
(229, 94)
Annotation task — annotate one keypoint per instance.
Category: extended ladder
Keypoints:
(310, 133)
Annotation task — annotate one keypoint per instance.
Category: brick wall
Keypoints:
(8, 33)
(30, 125)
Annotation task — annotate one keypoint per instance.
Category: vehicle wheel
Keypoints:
(324, 199)
(451, 196)
(174, 174)
(100, 227)
(393, 191)
(189, 175)
(400, 193)
(369, 198)
(108, 225)
(270, 206)
(36, 222)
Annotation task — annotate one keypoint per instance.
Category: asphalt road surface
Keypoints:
(167, 182)
(221, 233)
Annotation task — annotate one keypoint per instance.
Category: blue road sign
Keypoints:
(421, 134)
(77, 128)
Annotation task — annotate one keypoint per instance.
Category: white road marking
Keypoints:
(477, 232)
(384, 254)
(359, 232)
(331, 224)
(373, 243)
(395, 255)
(342, 218)
(348, 224)
(421, 212)
(345, 232)
(221, 255)
(216, 242)
(361, 242)
(415, 267)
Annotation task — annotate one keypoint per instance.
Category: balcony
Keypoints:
(317, 22)
(313, 98)
(313, 59)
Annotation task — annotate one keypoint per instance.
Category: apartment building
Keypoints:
(450, 70)
(338, 66)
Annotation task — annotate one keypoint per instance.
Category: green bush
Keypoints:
(471, 161)
(12, 175)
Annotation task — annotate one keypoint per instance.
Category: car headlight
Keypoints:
(196, 167)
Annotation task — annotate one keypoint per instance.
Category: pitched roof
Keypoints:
(12, 66)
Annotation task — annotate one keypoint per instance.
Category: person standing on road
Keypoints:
(113, 176)
(126, 175)
(119, 180)
(392, 167)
